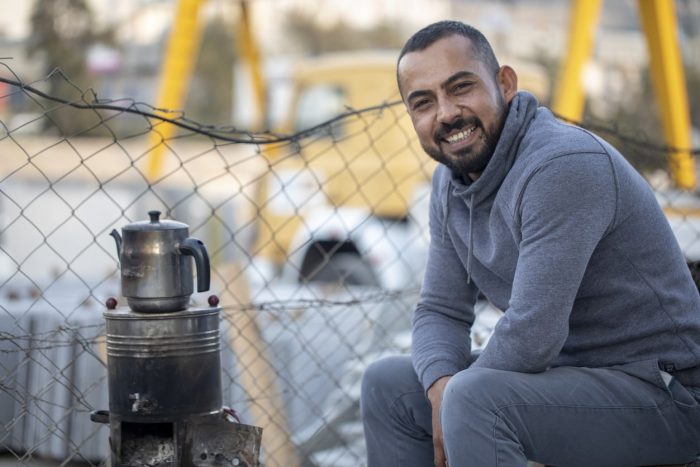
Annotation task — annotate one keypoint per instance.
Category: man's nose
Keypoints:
(448, 111)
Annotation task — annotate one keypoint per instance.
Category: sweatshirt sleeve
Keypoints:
(444, 315)
(565, 209)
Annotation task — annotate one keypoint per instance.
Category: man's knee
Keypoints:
(475, 388)
(383, 380)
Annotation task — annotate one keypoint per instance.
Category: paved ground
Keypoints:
(10, 460)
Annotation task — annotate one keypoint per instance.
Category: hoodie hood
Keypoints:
(522, 110)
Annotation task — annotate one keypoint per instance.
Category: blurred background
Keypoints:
(117, 48)
(273, 128)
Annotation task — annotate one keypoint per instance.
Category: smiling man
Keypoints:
(596, 360)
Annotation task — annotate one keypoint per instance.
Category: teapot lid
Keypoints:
(155, 224)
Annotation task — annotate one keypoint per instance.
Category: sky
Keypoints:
(14, 20)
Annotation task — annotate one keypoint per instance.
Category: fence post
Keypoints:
(258, 375)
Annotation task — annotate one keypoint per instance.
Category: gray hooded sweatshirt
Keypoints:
(567, 238)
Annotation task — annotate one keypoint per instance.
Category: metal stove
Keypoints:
(163, 359)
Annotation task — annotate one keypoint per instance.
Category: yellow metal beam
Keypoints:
(175, 75)
(250, 53)
(659, 23)
(569, 96)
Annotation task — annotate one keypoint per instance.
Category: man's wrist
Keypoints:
(437, 388)
(437, 369)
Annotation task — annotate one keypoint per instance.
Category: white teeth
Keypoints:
(462, 135)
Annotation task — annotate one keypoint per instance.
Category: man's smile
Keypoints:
(460, 136)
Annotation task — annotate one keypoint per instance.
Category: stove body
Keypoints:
(163, 359)
(165, 403)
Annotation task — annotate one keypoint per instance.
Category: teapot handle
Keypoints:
(194, 247)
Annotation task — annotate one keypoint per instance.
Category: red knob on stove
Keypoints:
(213, 300)
(111, 303)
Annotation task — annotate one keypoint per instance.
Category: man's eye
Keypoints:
(462, 86)
(420, 104)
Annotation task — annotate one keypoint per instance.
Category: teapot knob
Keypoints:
(154, 215)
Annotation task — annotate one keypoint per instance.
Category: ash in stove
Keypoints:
(150, 445)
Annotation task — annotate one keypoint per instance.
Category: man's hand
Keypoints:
(435, 397)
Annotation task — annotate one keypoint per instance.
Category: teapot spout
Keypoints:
(118, 240)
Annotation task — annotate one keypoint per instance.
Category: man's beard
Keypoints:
(471, 160)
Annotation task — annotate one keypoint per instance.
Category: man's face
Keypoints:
(456, 104)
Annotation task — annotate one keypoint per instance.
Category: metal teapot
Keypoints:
(156, 271)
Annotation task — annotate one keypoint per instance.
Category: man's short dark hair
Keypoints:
(424, 38)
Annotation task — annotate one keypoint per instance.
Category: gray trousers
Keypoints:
(620, 416)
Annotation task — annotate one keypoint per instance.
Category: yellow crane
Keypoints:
(659, 26)
(658, 22)
(176, 72)
(258, 377)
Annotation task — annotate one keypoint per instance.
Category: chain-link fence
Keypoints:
(317, 242)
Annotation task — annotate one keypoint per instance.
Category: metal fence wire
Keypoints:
(317, 242)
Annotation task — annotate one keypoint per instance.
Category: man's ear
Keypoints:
(507, 80)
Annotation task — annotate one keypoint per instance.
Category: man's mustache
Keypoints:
(458, 124)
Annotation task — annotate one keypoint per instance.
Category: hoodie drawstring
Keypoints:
(471, 239)
(446, 209)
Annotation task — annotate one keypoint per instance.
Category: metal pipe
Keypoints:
(659, 23)
(569, 97)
